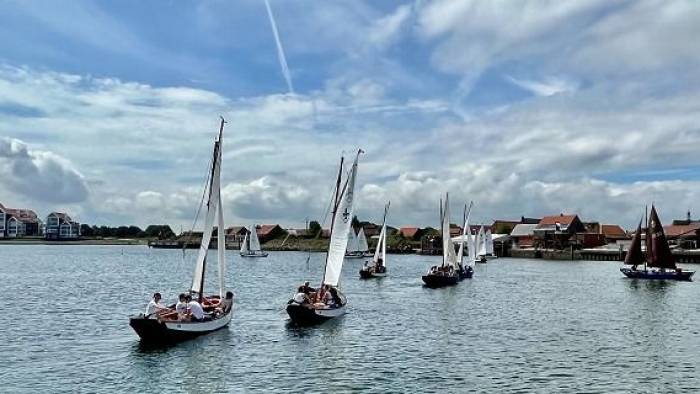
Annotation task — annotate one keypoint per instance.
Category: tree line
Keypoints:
(160, 231)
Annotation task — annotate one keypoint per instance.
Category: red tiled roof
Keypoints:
(613, 231)
(409, 232)
(552, 220)
(235, 230)
(266, 229)
(677, 230)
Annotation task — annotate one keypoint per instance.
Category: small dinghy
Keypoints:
(451, 271)
(167, 326)
(378, 267)
(658, 255)
(310, 306)
(251, 244)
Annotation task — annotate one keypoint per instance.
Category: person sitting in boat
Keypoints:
(327, 296)
(181, 306)
(301, 297)
(308, 290)
(155, 306)
(196, 310)
(379, 267)
(335, 298)
(226, 304)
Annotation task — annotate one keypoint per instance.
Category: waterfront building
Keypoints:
(16, 223)
(411, 233)
(556, 232)
(523, 235)
(267, 232)
(684, 233)
(60, 226)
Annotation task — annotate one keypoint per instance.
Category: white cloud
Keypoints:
(39, 175)
(546, 87)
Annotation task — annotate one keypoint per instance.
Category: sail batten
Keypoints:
(341, 227)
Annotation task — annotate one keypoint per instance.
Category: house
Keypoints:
(684, 233)
(503, 226)
(236, 233)
(19, 222)
(267, 232)
(556, 232)
(523, 235)
(60, 226)
(613, 233)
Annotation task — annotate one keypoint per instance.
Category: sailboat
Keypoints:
(451, 270)
(378, 267)
(353, 249)
(480, 246)
(488, 245)
(308, 308)
(658, 254)
(466, 272)
(251, 244)
(167, 327)
(362, 245)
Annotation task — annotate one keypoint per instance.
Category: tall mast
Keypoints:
(442, 232)
(209, 207)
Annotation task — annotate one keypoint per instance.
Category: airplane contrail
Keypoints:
(280, 50)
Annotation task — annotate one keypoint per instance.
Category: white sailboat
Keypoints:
(353, 249)
(480, 246)
(378, 267)
(362, 245)
(451, 270)
(311, 309)
(251, 244)
(468, 270)
(167, 327)
(488, 245)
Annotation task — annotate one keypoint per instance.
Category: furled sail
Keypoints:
(634, 254)
(254, 241)
(362, 245)
(340, 228)
(660, 254)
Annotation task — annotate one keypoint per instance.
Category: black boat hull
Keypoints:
(369, 274)
(305, 316)
(660, 275)
(436, 281)
(158, 332)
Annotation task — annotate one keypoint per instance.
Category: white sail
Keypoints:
(488, 243)
(383, 238)
(244, 245)
(353, 245)
(448, 247)
(362, 245)
(341, 229)
(254, 241)
(465, 233)
(212, 205)
(379, 251)
(480, 244)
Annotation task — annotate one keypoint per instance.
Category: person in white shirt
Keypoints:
(300, 297)
(154, 306)
(181, 306)
(196, 310)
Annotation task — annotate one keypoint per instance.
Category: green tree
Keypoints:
(314, 229)
(86, 230)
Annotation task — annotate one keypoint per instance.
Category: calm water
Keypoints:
(518, 326)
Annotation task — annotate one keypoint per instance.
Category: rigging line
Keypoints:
(188, 237)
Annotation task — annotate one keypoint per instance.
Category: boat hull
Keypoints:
(369, 274)
(355, 255)
(436, 281)
(261, 254)
(305, 316)
(660, 275)
(152, 330)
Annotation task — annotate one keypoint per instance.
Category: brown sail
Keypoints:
(658, 253)
(634, 254)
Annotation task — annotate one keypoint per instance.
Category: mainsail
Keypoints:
(380, 251)
(213, 207)
(340, 227)
(448, 248)
(481, 242)
(488, 242)
(362, 245)
(466, 234)
(658, 253)
(353, 245)
(634, 254)
(244, 245)
(254, 241)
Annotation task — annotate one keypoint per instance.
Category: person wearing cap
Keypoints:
(154, 306)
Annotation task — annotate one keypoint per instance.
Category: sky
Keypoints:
(108, 110)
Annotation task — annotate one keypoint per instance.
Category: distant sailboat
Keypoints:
(251, 244)
(451, 270)
(466, 271)
(310, 308)
(378, 267)
(353, 250)
(166, 327)
(658, 254)
(362, 245)
(480, 246)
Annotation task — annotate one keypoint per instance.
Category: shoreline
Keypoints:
(103, 241)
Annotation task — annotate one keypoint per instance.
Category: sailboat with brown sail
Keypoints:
(310, 306)
(658, 255)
